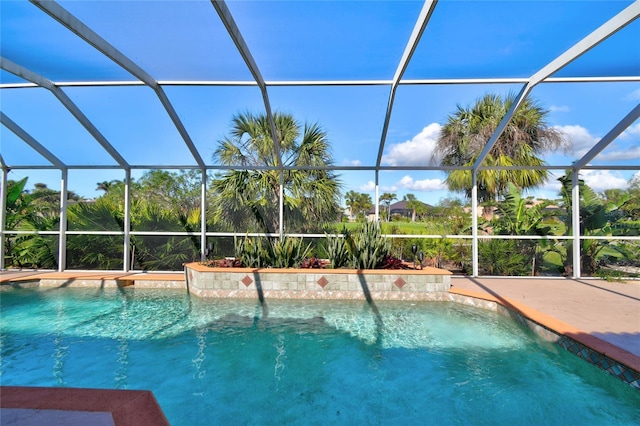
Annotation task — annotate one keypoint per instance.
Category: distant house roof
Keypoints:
(399, 207)
(402, 205)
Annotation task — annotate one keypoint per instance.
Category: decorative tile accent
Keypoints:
(400, 282)
(247, 281)
(322, 282)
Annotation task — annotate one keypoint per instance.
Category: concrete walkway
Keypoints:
(607, 310)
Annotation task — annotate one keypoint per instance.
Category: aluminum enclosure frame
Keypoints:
(143, 78)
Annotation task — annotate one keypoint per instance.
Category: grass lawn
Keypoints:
(387, 227)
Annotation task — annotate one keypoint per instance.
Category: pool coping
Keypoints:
(614, 360)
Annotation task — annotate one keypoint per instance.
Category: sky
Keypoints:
(312, 41)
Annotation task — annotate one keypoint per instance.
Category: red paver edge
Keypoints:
(127, 407)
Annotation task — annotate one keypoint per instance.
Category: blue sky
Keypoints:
(302, 40)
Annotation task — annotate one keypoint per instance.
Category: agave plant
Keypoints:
(337, 249)
(368, 247)
(288, 252)
(251, 252)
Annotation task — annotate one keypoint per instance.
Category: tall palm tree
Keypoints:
(107, 185)
(413, 204)
(249, 198)
(387, 198)
(351, 200)
(524, 139)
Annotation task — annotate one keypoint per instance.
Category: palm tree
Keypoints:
(351, 200)
(413, 204)
(527, 136)
(387, 198)
(249, 198)
(358, 203)
(107, 185)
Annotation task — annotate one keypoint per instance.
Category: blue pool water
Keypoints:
(303, 362)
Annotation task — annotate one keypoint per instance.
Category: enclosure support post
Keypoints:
(127, 221)
(575, 221)
(377, 200)
(281, 206)
(474, 221)
(203, 215)
(3, 215)
(62, 236)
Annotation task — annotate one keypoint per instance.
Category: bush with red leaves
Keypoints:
(313, 263)
(391, 262)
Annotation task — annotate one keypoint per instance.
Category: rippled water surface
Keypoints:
(303, 362)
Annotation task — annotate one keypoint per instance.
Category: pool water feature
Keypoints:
(212, 361)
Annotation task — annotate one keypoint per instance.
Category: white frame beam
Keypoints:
(29, 140)
(76, 26)
(606, 30)
(33, 77)
(627, 121)
(421, 23)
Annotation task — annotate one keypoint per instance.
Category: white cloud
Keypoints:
(552, 186)
(414, 152)
(631, 131)
(634, 96)
(627, 154)
(599, 180)
(353, 162)
(581, 139)
(408, 182)
(369, 186)
(559, 108)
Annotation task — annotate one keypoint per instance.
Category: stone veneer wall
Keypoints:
(426, 284)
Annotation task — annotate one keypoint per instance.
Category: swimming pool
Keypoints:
(212, 361)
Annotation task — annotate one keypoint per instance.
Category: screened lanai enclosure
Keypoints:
(139, 135)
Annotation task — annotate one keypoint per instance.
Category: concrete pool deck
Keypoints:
(609, 311)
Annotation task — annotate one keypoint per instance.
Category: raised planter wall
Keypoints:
(424, 284)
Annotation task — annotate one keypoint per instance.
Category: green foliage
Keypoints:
(90, 251)
(337, 250)
(359, 204)
(19, 208)
(417, 207)
(502, 257)
(452, 212)
(35, 251)
(597, 219)
(524, 139)
(248, 197)
(287, 252)
(440, 250)
(517, 216)
(251, 252)
(28, 212)
(386, 199)
(367, 247)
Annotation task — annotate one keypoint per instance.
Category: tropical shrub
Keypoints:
(251, 252)
(285, 252)
(501, 257)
